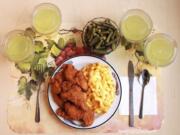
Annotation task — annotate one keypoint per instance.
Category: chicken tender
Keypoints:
(69, 72)
(56, 89)
(66, 85)
(62, 113)
(81, 80)
(59, 77)
(58, 100)
(73, 112)
(76, 96)
(88, 118)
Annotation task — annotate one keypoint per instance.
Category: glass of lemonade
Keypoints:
(46, 18)
(18, 47)
(136, 25)
(160, 49)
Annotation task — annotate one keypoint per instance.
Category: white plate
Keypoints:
(79, 62)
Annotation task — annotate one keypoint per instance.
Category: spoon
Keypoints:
(144, 79)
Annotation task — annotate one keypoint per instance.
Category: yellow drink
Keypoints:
(136, 25)
(18, 47)
(46, 18)
(160, 50)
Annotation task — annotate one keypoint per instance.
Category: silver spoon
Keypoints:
(144, 80)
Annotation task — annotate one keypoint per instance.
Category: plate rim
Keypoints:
(120, 94)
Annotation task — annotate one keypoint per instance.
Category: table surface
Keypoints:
(164, 13)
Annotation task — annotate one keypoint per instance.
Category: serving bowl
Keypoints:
(101, 35)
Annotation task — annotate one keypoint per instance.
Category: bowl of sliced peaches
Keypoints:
(84, 92)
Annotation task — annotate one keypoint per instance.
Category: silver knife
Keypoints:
(131, 80)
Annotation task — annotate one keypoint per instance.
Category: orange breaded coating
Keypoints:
(76, 96)
(81, 80)
(69, 72)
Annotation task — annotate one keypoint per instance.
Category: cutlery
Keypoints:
(37, 113)
(144, 78)
(131, 80)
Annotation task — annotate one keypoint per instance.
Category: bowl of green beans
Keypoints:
(101, 35)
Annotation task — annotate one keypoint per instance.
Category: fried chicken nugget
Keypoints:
(81, 81)
(59, 77)
(66, 85)
(69, 72)
(58, 100)
(73, 112)
(56, 88)
(76, 96)
(62, 113)
(88, 117)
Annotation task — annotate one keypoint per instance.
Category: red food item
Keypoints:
(80, 50)
(70, 51)
(63, 54)
(66, 49)
(70, 45)
(59, 60)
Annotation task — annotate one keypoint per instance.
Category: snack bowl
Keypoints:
(101, 35)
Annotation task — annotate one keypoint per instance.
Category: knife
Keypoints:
(131, 80)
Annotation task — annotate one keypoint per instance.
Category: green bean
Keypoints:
(99, 44)
(97, 35)
(104, 38)
(102, 27)
(94, 41)
(105, 32)
(114, 34)
(109, 36)
(108, 26)
(92, 33)
(111, 42)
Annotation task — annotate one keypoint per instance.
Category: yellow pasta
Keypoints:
(101, 87)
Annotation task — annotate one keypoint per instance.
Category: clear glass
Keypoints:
(136, 25)
(18, 47)
(160, 49)
(46, 18)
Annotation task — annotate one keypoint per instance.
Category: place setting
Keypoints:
(102, 77)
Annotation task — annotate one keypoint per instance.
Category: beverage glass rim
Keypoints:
(167, 36)
(45, 4)
(144, 14)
